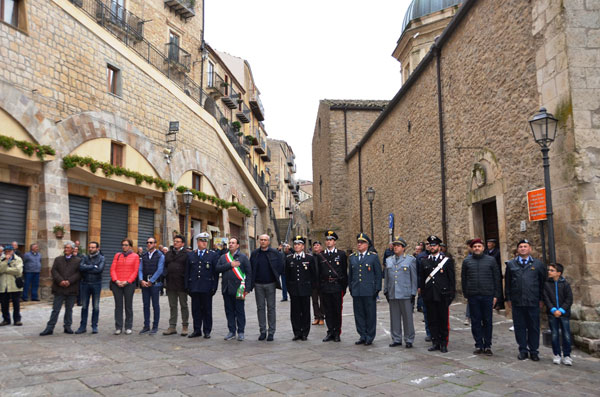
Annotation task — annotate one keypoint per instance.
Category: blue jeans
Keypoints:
(481, 308)
(90, 290)
(31, 280)
(526, 320)
(151, 294)
(235, 313)
(560, 324)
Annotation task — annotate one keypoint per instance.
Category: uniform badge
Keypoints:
(305, 268)
(532, 268)
(369, 268)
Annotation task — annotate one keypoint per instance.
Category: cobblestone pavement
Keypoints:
(104, 364)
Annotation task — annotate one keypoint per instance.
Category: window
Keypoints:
(211, 77)
(9, 12)
(173, 46)
(113, 80)
(116, 154)
(196, 181)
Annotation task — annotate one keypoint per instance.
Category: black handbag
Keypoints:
(20, 282)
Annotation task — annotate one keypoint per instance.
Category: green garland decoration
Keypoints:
(72, 161)
(29, 148)
(215, 200)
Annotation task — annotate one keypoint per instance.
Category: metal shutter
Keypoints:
(13, 213)
(79, 209)
(113, 231)
(145, 226)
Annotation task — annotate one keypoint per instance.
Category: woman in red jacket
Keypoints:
(123, 273)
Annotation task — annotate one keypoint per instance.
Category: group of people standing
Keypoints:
(323, 275)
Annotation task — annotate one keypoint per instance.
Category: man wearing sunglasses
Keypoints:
(151, 269)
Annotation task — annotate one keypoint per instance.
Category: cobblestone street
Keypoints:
(104, 364)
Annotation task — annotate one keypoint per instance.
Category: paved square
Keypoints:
(104, 364)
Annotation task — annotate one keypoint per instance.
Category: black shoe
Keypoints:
(145, 330)
(195, 334)
(523, 356)
(488, 352)
(18, 323)
(408, 345)
(304, 338)
(368, 343)
(283, 300)
(3, 323)
(337, 338)
(47, 331)
(328, 338)
(478, 351)
(360, 342)
(262, 336)
(428, 339)
(270, 338)
(394, 344)
(35, 300)
(81, 330)
(206, 336)
(68, 330)
(296, 337)
(434, 348)
(535, 357)
(94, 330)
(24, 300)
(444, 349)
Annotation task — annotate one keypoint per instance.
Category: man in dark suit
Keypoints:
(438, 286)
(201, 282)
(300, 275)
(235, 285)
(267, 266)
(364, 281)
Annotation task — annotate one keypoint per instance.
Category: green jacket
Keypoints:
(9, 272)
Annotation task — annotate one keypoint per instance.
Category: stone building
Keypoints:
(340, 125)
(103, 126)
(453, 154)
(283, 189)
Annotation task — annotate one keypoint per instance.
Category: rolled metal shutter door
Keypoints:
(13, 213)
(79, 211)
(145, 226)
(113, 231)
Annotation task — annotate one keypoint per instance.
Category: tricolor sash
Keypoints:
(239, 274)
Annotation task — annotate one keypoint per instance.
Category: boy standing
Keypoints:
(558, 298)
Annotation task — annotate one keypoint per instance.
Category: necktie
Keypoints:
(360, 257)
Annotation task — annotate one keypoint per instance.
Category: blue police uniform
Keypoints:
(201, 282)
(364, 282)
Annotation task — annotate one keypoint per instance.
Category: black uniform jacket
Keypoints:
(300, 274)
(443, 284)
(332, 270)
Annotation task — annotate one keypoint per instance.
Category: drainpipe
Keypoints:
(345, 134)
(438, 53)
(360, 188)
(202, 49)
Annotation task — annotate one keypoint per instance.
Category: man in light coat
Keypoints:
(400, 286)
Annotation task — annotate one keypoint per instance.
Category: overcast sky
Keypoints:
(303, 51)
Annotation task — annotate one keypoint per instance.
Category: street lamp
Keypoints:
(371, 197)
(543, 126)
(254, 213)
(188, 197)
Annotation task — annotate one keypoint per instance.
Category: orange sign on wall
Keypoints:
(536, 204)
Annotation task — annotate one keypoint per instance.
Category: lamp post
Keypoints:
(188, 197)
(370, 198)
(254, 213)
(543, 126)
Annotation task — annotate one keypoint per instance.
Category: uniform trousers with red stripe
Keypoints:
(438, 319)
(331, 303)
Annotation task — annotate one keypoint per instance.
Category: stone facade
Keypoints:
(520, 55)
(340, 125)
(53, 84)
(283, 186)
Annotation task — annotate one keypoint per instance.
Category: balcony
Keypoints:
(257, 107)
(178, 57)
(266, 156)
(261, 148)
(114, 17)
(183, 8)
(291, 183)
(215, 85)
(231, 97)
(287, 178)
(243, 113)
(290, 160)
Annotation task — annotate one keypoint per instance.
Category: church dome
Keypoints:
(421, 8)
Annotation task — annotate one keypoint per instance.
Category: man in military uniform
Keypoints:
(201, 281)
(300, 275)
(438, 287)
(400, 286)
(332, 269)
(364, 281)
